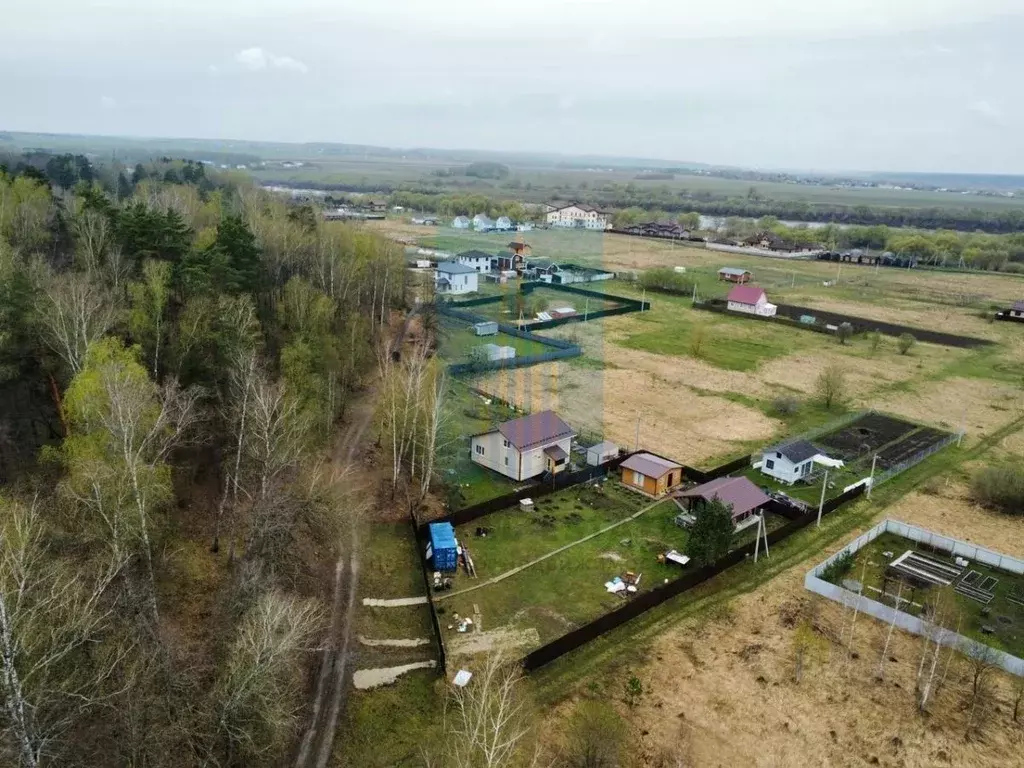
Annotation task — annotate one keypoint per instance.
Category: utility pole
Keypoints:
(762, 530)
(695, 292)
(871, 482)
(586, 309)
(963, 426)
(637, 448)
(643, 300)
(824, 490)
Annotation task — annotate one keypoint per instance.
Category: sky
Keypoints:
(910, 85)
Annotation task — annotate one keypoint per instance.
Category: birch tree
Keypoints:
(257, 699)
(75, 313)
(50, 618)
(488, 722)
(124, 419)
(148, 305)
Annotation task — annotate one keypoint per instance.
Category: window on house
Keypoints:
(778, 455)
(480, 450)
(506, 461)
(504, 443)
(769, 464)
(639, 478)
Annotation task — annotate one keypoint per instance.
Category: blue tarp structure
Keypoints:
(444, 550)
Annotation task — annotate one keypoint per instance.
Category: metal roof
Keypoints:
(606, 446)
(451, 268)
(1018, 306)
(535, 429)
(745, 294)
(733, 271)
(555, 452)
(475, 254)
(797, 451)
(649, 464)
(737, 492)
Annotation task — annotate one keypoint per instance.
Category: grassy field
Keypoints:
(458, 340)
(566, 590)
(701, 409)
(1002, 615)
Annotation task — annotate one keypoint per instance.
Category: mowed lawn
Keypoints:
(458, 340)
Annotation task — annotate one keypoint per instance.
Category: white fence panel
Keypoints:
(905, 621)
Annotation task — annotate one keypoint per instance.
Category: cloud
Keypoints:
(213, 69)
(257, 59)
(108, 102)
(984, 109)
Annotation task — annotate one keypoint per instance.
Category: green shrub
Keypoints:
(666, 279)
(838, 568)
(1000, 488)
(786, 406)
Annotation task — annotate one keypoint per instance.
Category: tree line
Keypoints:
(192, 341)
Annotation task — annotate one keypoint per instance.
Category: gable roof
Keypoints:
(535, 429)
(451, 268)
(1018, 306)
(746, 294)
(797, 451)
(733, 271)
(738, 492)
(649, 464)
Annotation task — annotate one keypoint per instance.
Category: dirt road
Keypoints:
(331, 684)
(318, 740)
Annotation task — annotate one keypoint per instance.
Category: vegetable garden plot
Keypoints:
(910, 446)
(864, 436)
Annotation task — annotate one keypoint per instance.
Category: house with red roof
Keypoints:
(739, 494)
(525, 447)
(751, 300)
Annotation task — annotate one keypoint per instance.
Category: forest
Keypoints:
(177, 348)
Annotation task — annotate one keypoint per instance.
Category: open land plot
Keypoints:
(1003, 616)
(515, 305)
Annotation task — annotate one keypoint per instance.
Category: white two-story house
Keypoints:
(579, 215)
(455, 278)
(525, 447)
(476, 260)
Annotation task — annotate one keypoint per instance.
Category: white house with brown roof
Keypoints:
(579, 215)
(525, 447)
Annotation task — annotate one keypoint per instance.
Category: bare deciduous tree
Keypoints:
(257, 696)
(76, 312)
(488, 721)
(982, 661)
(49, 617)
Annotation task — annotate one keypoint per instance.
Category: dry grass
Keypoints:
(982, 405)
(729, 685)
(674, 420)
(944, 506)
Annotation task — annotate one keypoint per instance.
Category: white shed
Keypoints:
(602, 452)
(486, 328)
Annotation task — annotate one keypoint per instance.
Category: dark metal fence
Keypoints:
(532, 491)
(790, 314)
(420, 537)
(643, 603)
